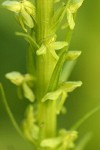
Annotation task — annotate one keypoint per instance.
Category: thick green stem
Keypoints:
(45, 65)
(47, 119)
(44, 15)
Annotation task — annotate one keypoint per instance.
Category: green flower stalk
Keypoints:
(49, 64)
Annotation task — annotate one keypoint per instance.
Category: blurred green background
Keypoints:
(86, 37)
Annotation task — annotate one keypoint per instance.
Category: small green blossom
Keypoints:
(22, 81)
(72, 8)
(24, 11)
(30, 129)
(63, 142)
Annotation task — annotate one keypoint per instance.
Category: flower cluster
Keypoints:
(49, 65)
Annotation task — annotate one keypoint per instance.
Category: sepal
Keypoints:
(52, 96)
(28, 93)
(15, 77)
(51, 142)
(14, 6)
(74, 5)
(60, 44)
(70, 86)
(30, 9)
(26, 18)
(70, 19)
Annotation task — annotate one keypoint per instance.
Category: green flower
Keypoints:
(72, 8)
(64, 141)
(24, 11)
(22, 81)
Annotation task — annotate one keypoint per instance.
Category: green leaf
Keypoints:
(41, 50)
(69, 64)
(51, 142)
(67, 70)
(28, 93)
(60, 44)
(15, 77)
(56, 73)
(14, 6)
(70, 86)
(66, 56)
